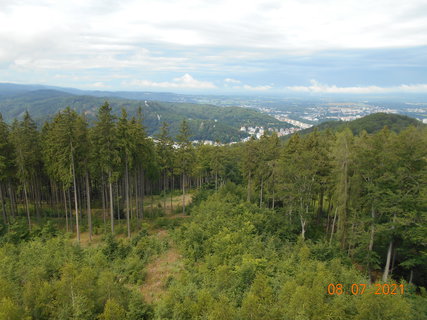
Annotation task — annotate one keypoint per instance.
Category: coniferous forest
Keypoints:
(101, 221)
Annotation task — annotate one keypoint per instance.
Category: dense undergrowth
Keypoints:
(240, 262)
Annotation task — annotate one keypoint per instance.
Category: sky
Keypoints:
(194, 46)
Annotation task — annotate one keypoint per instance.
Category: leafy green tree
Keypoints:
(260, 301)
(113, 311)
(138, 309)
(249, 164)
(11, 311)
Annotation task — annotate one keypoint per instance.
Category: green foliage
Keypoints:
(138, 309)
(271, 225)
(207, 122)
(371, 123)
(113, 311)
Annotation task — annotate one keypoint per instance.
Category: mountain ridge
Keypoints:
(207, 121)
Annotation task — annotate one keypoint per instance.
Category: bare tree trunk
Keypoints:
(118, 200)
(371, 241)
(26, 206)
(3, 205)
(104, 203)
(12, 199)
(127, 197)
(273, 187)
(111, 202)
(132, 191)
(302, 227)
(183, 193)
(89, 212)
(151, 199)
(70, 211)
(171, 191)
(75, 199)
(333, 225)
(142, 193)
(387, 264)
(66, 211)
(164, 190)
(261, 192)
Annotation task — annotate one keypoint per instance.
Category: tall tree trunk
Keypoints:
(165, 185)
(183, 193)
(104, 203)
(302, 227)
(70, 211)
(135, 192)
(3, 205)
(387, 264)
(142, 182)
(75, 199)
(118, 200)
(261, 192)
(26, 206)
(12, 199)
(320, 208)
(273, 187)
(389, 252)
(333, 225)
(127, 197)
(151, 198)
(371, 241)
(89, 212)
(111, 202)
(172, 189)
(66, 211)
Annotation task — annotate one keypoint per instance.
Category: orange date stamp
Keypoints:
(360, 288)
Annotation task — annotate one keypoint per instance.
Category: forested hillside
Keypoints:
(207, 122)
(101, 222)
(371, 123)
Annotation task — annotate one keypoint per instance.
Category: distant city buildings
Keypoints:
(258, 131)
(299, 124)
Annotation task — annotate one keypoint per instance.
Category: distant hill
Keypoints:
(371, 123)
(207, 122)
(11, 89)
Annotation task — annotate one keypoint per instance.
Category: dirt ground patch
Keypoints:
(159, 271)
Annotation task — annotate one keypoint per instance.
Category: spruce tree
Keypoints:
(185, 157)
(106, 149)
(25, 139)
(64, 142)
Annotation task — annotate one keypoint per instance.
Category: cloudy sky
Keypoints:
(249, 46)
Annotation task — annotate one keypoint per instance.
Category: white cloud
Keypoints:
(232, 81)
(184, 82)
(216, 37)
(80, 27)
(317, 87)
(99, 84)
(257, 88)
